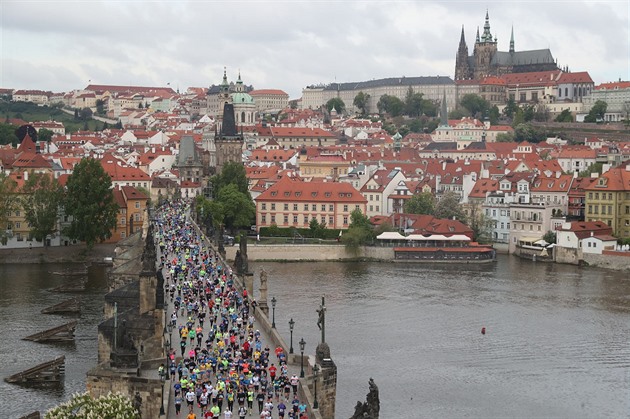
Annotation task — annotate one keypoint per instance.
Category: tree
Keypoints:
(336, 103)
(41, 200)
(45, 135)
(564, 116)
(238, 208)
(361, 101)
(90, 202)
(527, 132)
(8, 201)
(414, 103)
(359, 232)
(510, 108)
(593, 168)
(390, 105)
(7, 134)
(481, 225)
(100, 106)
(231, 173)
(449, 207)
(505, 137)
(475, 105)
(316, 228)
(86, 113)
(112, 406)
(422, 203)
(494, 115)
(597, 112)
(457, 113)
(550, 237)
(541, 113)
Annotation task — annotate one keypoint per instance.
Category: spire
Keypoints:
(487, 36)
(477, 38)
(462, 40)
(443, 115)
(512, 40)
(225, 82)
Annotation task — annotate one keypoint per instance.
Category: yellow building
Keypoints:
(608, 200)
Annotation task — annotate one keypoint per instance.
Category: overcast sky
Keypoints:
(62, 45)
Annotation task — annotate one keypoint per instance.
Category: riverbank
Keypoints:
(62, 254)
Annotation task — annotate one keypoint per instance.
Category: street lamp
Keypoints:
(302, 345)
(315, 371)
(162, 379)
(291, 326)
(273, 312)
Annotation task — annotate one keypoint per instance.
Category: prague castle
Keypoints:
(487, 61)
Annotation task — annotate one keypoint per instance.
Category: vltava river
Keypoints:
(556, 342)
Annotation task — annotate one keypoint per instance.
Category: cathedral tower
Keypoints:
(485, 49)
(462, 67)
(228, 141)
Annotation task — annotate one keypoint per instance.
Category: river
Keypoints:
(556, 342)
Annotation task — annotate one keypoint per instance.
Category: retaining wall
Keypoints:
(307, 252)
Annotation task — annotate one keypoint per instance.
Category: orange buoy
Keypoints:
(483, 330)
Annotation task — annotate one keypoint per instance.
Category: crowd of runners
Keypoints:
(221, 368)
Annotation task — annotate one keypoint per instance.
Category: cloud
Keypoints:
(288, 45)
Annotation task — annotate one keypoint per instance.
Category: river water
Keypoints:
(556, 343)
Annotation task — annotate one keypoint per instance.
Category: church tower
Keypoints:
(462, 68)
(485, 49)
(228, 141)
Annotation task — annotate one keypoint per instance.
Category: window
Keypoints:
(356, 207)
(345, 208)
(295, 219)
(314, 207)
(123, 221)
(323, 207)
(331, 220)
(377, 208)
(263, 219)
(273, 207)
(331, 207)
(523, 97)
(610, 198)
(273, 218)
(371, 209)
(18, 224)
(345, 220)
(263, 206)
(378, 197)
(295, 207)
(305, 207)
(286, 219)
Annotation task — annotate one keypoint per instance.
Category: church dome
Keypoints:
(242, 98)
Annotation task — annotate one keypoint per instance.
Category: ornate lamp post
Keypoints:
(302, 345)
(315, 371)
(273, 312)
(291, 326)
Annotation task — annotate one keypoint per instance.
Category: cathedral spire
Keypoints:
(487, 36)
(477, 38)
(462, 39)
(512, 40)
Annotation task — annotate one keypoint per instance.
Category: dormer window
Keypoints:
(274, 193)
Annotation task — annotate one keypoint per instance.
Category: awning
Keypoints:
(529, 239)
(391, 235)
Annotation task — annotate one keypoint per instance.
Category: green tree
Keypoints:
(550, 237)
(564, 116)
(100, 106)
(597, 112)
(527, 132)
(316, 228)
(481, 225)
(90, 201)
(505, 137)
(45, 135)
(494, 115)
(448, 206)
(361, 102)
(422, 203)
(41, 200)
(111, 406)
(274, 230)
(457, 113)
(86, 113)
(475, 105)
(8, 201)
(390, 105)
(593, 168)
(231, 173)
(7, 134)
(414, 103)
(336, 103)
(541, 113)
(238, 209)
(510, 108)
(359, 232)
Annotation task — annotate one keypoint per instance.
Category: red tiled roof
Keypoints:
(290, 190)
(578, 77)
(261, 92)
(613, 85)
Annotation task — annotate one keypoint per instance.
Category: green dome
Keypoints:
(241, 97)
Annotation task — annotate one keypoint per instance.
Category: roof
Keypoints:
(616, 85)
(261, 92)
(616, 179)
(290, 190)
(578, 77)
(392, 81)
(518, 58)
